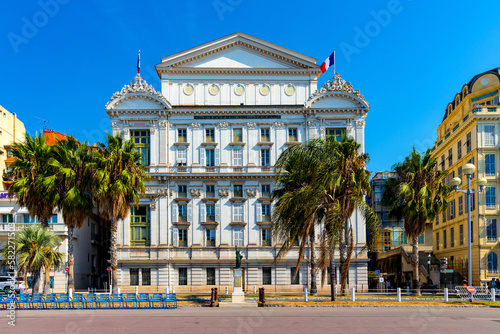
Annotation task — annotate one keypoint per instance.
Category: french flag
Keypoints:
(328, 62)
(139, 62)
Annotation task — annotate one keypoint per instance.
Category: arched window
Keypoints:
(492, 263)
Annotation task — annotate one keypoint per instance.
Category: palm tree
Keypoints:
(322, 181)
(120, 182)
(416, 194)
(29, 168)
(71, 185)
(35, 248)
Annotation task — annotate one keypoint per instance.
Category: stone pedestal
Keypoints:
(238, 295)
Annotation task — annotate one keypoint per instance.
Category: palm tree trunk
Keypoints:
(71, 260)
(333, 279)
(35, 282)
(314, 287)
(414, 263)
(44, 221)
(114, 256)
(343, 260)
(46, 283)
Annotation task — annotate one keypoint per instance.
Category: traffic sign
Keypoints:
(381, 280)
(66, 269)
(447, 271)
(471, 289)
(108, 268)
(377, 272)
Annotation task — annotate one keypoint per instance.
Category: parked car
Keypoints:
(5, 284)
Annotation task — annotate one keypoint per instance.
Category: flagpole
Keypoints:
(334, 71)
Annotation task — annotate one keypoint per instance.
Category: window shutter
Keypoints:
(258, 207)
(202, 156)
(272, 211)
(202, 212)
(235, 163)
(190, 212)
(174, 213)
(217, 156)
(217, 212)
(175, 237)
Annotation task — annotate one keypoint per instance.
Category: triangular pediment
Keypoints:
(239, 51)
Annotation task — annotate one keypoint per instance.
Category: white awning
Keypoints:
(6, 209)
(23, 210)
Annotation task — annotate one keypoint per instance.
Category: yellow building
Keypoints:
(11, 131)
(469, 133)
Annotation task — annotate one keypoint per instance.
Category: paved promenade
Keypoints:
(259, 320)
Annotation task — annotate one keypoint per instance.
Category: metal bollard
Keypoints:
(445, 294)
(305, 294)
(254, 289)
(399, 294)
(353, 294)
(408, 290)
(212, 298)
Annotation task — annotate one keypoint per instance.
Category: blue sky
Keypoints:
(63, 59)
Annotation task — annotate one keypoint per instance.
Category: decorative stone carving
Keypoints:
(223, 192)
(223, 125)
(115, 125)
(251, 125)
(195, 125)
(337, 85)
(163, 124)
(138, 85)
(152, 131)
(348, 128)
(161, 193)
(360, 123)
(252, 192)
(195, 192)
(278, 125)
(149, 191)
(152, 206)
(311, 124)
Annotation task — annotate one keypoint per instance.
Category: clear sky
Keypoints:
(63, 59)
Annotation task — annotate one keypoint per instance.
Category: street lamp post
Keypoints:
(455, 182)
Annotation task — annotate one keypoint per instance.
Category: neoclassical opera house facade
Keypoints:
(226, 111)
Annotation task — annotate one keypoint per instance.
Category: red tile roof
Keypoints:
(51, 136)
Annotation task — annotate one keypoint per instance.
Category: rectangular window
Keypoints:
(437, 240)
(182, 213)
(183, 276)
(238, 156)
(294, 279)
(472, 232)
(445, 240)
(266, 212)
(53, 220)
(210, 237)
(266, 237)
(443, 167)
(460, 172)
(266, 276)
(444, 216)
(146, 276)
(450, 157)
(437, 219)
(238, 190)
(141, 138)
(182, 191)
(459, 150)
(489, 164)
(209, 135)
(421, 239)
(265, 134)
(265, 190)
(210, 191)
(237, 135)
(27, 219)
(452, 209)
(491, 229)
(238, 237)
(210, 276)
(468, 143)
(181, 135)
(139, 225)
(292, 135)
(452, 237)
(334, 134)
(134, 276)
(181, 156)
(460, 205)
(461, 236)
(210, 157)
(238, 212)
(489, 135)
(183, 238)
(490, 196)
(210, 213)
(265, 157)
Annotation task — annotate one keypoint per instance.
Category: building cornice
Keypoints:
(237, 71)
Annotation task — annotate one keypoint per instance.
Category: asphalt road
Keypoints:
(288, 320)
